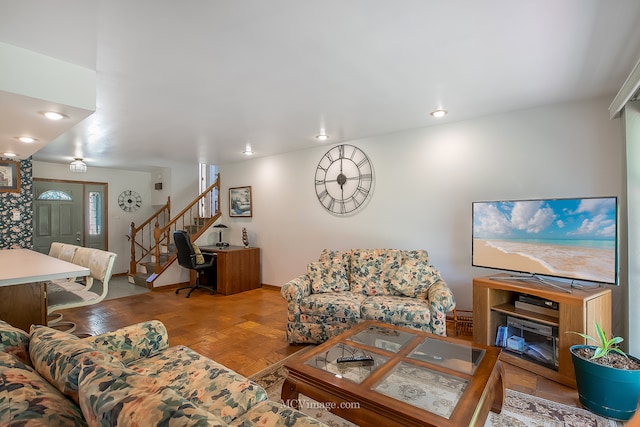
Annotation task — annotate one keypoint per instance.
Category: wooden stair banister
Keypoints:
(188, 219)
(142, 236)
(154, 234)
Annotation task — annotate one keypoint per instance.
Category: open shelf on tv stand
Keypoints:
(494, 299)
(564, 287)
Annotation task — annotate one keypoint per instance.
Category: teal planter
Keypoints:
(606, 391)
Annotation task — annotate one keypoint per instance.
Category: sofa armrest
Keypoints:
(15, 342)
(133, 342)
(441, 300)
(440, 297)
(294, 290)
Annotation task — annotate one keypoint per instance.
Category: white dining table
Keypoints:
(23, 284)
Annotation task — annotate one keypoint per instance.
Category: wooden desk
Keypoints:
(23, 285)
(238, 268)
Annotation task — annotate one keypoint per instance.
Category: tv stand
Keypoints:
(535, 278)
(494, 300)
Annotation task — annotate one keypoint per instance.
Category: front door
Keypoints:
(69, 212)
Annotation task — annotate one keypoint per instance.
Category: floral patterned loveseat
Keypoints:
(130, 377)
(343, 288)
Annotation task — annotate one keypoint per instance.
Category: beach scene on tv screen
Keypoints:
(572, 238)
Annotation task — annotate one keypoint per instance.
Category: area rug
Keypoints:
(519, 409)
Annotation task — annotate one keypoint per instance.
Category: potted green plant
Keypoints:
(607, 378)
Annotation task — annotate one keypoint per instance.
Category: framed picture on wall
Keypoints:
(9, 176)
(240, 204)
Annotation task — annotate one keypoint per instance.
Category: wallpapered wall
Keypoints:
(18, 233)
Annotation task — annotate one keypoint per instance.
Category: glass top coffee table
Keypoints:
(409, 376)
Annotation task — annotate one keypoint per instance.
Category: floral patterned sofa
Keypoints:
(343, 288)
(127, 377)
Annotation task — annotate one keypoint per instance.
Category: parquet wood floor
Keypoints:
(244, 331)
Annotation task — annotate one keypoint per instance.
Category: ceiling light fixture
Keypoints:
(9, 154)
(322, 137)
(26, 139)
(439, 113)
(247, 150)
(78, 166)
(53, 115)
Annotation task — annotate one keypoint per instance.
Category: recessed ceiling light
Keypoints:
(53, 115)
(9, 154)
(322, 137)
(248, 152)
(26, 139)
(439, 113)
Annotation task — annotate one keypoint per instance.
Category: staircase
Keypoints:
(152, 249)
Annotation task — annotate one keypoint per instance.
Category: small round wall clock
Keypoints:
(129, 201)
(343, 179)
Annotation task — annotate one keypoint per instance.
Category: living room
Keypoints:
(429, 174)
(425, 181)
(426, 176)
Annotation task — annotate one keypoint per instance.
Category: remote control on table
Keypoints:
(355, 361)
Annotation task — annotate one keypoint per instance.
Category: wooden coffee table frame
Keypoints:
(484, 391)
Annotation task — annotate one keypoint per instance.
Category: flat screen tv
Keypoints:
(574, 239)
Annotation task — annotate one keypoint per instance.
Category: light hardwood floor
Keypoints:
(244, 331)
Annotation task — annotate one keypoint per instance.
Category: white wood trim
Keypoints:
(628, 89)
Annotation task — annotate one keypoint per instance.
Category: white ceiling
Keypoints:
(196, 80)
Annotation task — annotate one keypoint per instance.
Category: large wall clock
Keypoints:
(129, 201)
(343, 179)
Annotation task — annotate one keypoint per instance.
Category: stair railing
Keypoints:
(189, 219)
(142, 237)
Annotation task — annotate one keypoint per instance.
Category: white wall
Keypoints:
(186, 189)
(425, 182)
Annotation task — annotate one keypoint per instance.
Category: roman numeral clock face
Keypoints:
(343, 179)
(129, 201)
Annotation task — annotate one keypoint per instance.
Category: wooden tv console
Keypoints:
(494, 299)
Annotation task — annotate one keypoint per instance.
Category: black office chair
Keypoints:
(187, 259)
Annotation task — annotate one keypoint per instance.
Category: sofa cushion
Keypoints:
(414, 277)
(111, 394)
(373, 271)
(212, 386)
(317, 329)
(397, 310)
(198, 253)
(417, 254)
(341, 304)
(56, 356)
(328, 256)
(133, 342)
(26, 399)
(275, 415)
(14, 341)
(323, 279)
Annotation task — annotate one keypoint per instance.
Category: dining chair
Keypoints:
(54, 249)
(100, 264)
(65, 252)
